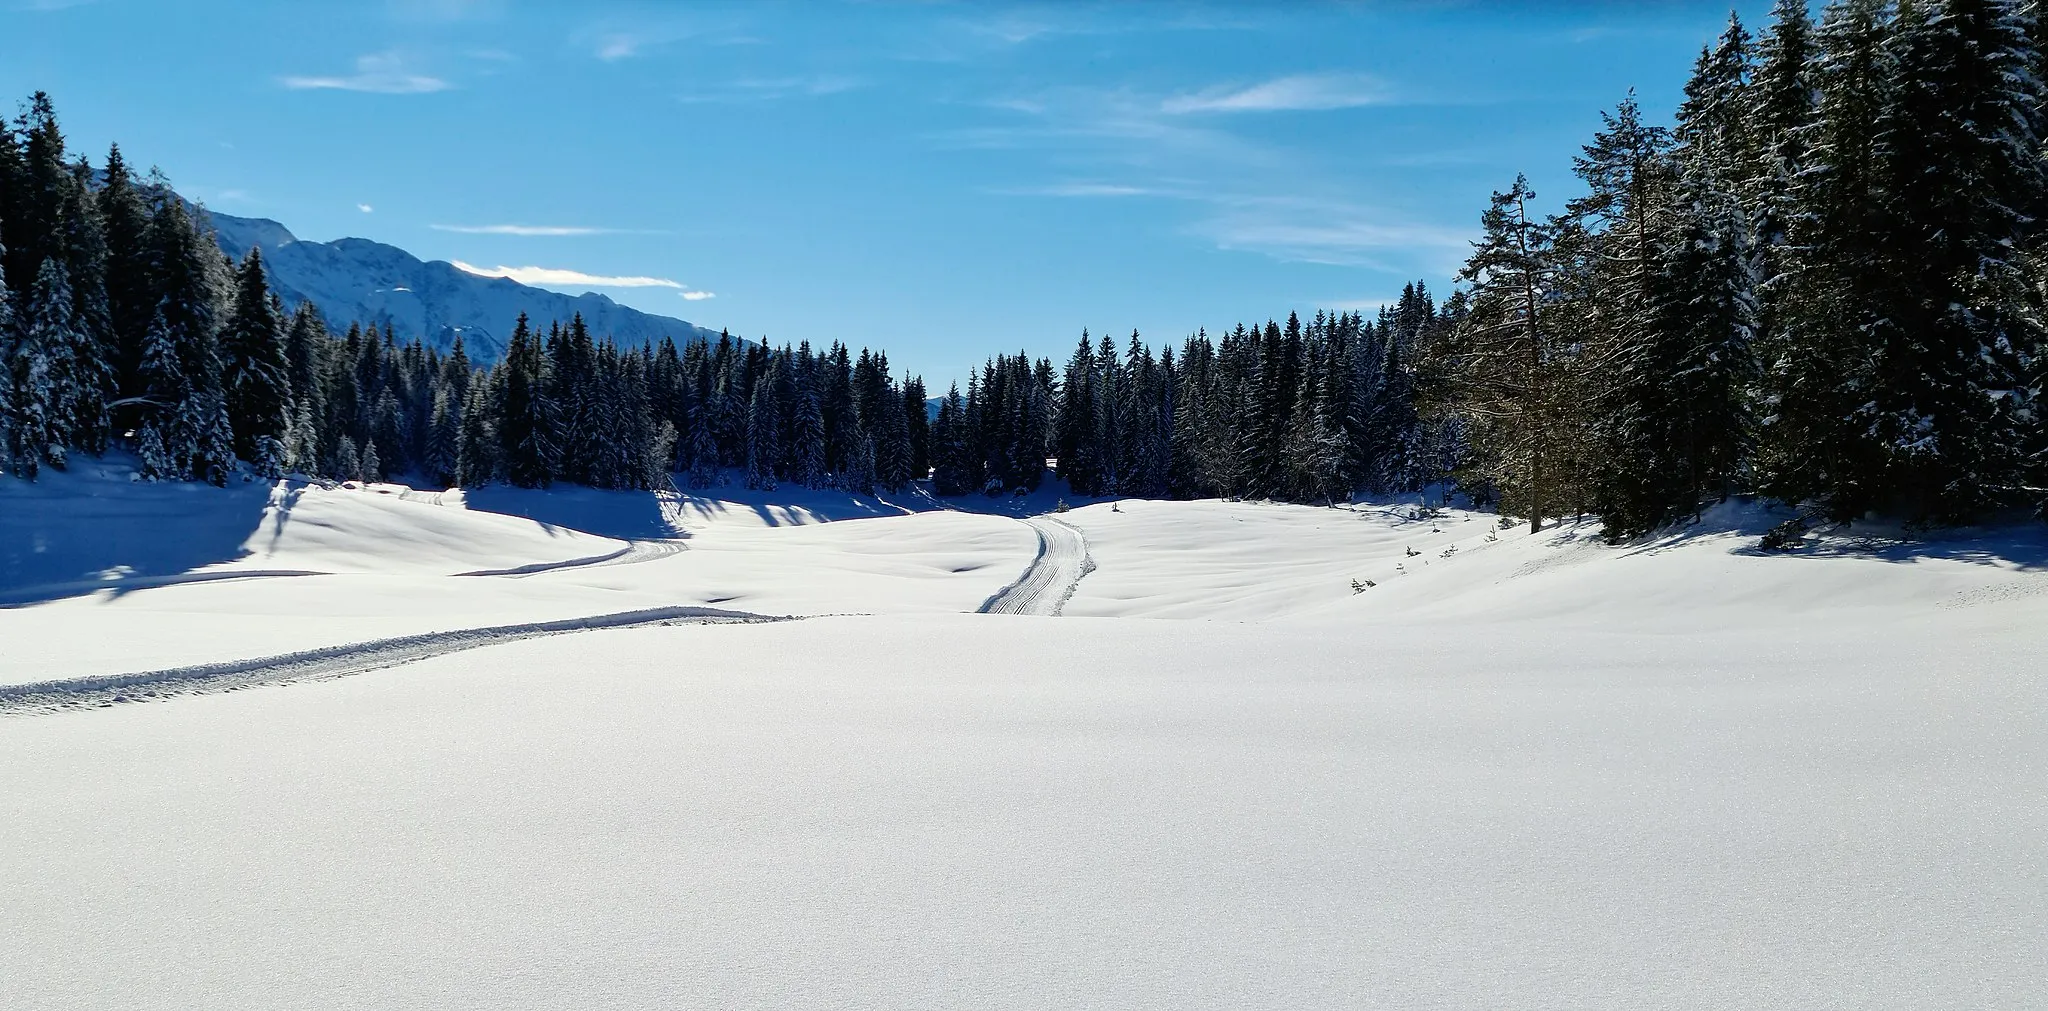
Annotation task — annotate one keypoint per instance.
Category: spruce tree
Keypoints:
(764, 438)
(476, 457)
(1507, 371)
(443, 464)
(40, 367)
(131, 303)
(1959, 164)
(1822, 350)
(256, 372)
(893, 452)
(951, 474)
(156, 461)
(859, 477)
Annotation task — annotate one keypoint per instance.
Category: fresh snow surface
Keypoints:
(1515, 771)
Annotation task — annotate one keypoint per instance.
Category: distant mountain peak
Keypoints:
(362, 280)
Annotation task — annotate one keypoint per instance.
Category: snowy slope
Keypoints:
(101, 576)
(358, 280)
(1254, 560)
(1534, 772)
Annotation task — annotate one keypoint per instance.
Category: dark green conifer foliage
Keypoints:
(257, 370)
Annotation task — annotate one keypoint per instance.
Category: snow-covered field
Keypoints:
(1515, 771)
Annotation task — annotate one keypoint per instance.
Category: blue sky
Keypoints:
(943, 180)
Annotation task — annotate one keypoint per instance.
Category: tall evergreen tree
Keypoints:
(1508, 372)
(41, 369)
(256, 369)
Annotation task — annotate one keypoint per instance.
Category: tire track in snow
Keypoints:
(1052, 577)
(102, 690)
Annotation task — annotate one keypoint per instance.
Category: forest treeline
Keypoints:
(1825, 282)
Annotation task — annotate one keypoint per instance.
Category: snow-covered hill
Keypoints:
(358, 280)
(1515, 771)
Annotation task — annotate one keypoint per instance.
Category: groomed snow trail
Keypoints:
(102, 690)
(1046, 585)
(634, 551)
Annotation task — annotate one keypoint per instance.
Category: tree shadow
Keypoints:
(71, 534)
(2020, 545)
(625, 515)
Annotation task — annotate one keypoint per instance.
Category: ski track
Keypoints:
(1050, 581)
(103, 690)
(634, 551)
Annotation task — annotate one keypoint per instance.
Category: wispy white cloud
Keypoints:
(960, 40)
(1240, 192)
(554, 277)
(365, 208)
(762, 89)
(540, 230)
(382, 73)
(615, 40)
(697, 296)
(1298, 92)
(1331, 231)
(619, 46)
(1088, 190)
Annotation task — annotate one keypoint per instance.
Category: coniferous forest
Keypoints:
(1825, 283)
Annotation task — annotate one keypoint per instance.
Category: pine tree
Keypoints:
(1077, 430)
(1507, 371)
(951, 474)
(444, 440)
(302, 442)
(166, 393)
(917, 415)
(1820, 352)
(893, 452)
(476, 457)
(859, 477)
(157, 464)
(256, 370)
(764, 438)
(1959, 165)
(807, 436)
(268, 461)
(1779, 111)
(348, 463)
(215, 458)
(131, 302)
(40, 364)
(703, 458)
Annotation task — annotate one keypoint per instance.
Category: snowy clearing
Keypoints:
(1351, 756)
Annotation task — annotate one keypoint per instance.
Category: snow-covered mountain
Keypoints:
(358, 280)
